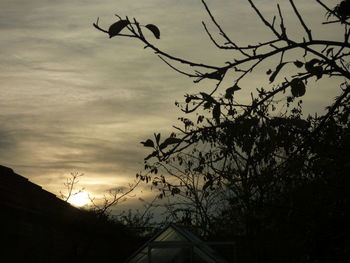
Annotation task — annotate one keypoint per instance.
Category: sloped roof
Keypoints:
(39, 227)
(175, 244)
(18, 193)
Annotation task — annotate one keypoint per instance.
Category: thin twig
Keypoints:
(306, 28)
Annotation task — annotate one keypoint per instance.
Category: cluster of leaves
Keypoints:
(341, 11)
(159, 148)
(117, 27)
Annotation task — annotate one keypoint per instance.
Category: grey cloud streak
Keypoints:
(72, 99)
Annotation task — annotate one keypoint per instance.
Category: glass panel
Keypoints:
(170, 235)
(171, 255)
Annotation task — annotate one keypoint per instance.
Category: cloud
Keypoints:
(72, 99)
(8, 143)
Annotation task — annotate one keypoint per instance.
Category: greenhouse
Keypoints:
(174, 245)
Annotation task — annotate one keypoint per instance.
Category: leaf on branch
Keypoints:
(208, 97)
(317, 71)
(312, 69)
(309, 65)
(115, 28)
(230, 91)
(297, 87)
(172, 140)
(207, 105)
(298, 63)
(169, 141)
(151, 155)
(274, 74)
(217, 113)
(200, 119)
(188, 98)
(154, 29)
(343, 10)
(219, 74)
(148, 143)
(157, 136)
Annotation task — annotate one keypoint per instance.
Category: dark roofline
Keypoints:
(21, 194)
(26, 180)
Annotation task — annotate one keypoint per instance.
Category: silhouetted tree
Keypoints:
(268, 160)
(70, 184)
(186, 191)
(114, 197)
(100, 207)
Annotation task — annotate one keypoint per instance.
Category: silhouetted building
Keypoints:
(39, 227)
(175, 245)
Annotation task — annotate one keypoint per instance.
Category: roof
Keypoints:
(19, 194)
(37, 226)
(175, 244)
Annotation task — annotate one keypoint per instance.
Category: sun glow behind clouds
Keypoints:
(79, 199)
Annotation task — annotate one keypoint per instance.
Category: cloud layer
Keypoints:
(71, 99)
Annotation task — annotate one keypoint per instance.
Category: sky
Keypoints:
(73, 100)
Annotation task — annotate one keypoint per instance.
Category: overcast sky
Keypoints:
(73, 100)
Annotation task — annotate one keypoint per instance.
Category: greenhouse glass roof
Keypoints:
(173, 245)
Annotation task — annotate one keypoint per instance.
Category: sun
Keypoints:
(79, 199)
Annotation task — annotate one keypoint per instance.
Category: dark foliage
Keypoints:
(273, 180)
